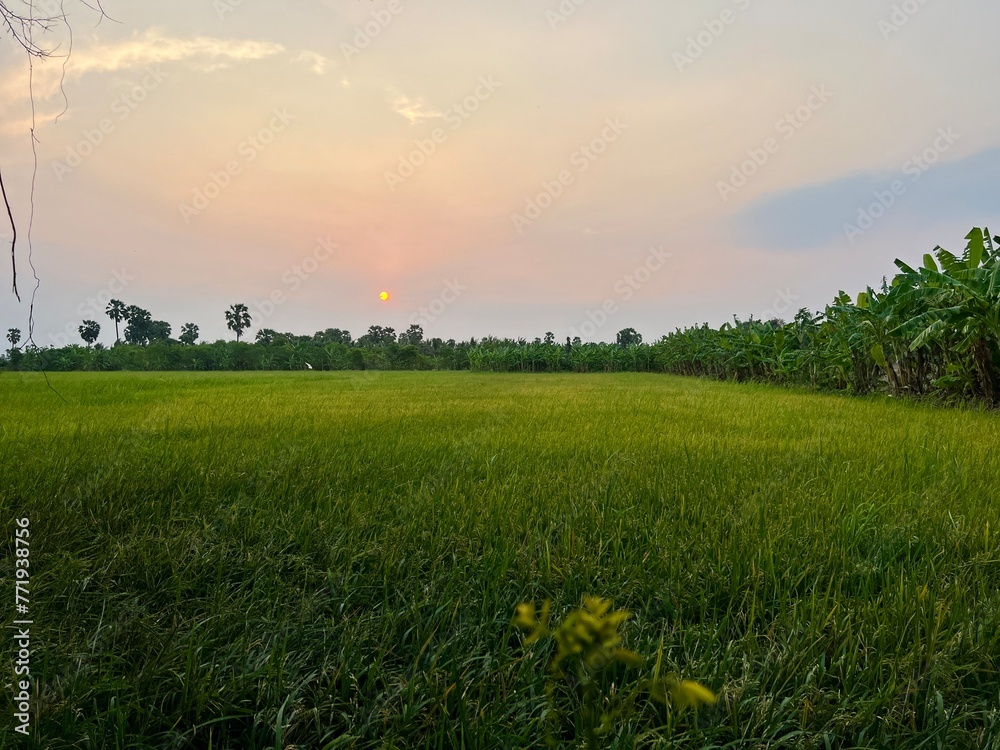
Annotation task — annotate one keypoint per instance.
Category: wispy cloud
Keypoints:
(413, 111)
(151, 47)
(21, 126)
(316, 62)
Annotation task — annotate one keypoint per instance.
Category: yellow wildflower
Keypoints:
(526, 619)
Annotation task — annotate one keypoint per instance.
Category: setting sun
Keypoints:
(384, 296)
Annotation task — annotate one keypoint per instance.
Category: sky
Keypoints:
(500, 168)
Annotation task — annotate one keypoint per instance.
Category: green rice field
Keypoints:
(333, 559)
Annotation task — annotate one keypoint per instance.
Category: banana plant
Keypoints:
(961, 300)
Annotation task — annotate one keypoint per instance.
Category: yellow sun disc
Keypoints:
(384, 296)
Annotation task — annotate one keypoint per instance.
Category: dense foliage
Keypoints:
(930, 330)
(934, 329)
(286, 352)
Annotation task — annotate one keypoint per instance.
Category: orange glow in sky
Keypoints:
(350, 144)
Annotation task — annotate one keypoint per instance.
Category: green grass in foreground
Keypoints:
(328, 560)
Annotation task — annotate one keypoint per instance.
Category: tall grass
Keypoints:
(331, 560)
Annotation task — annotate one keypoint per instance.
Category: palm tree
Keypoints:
(238, 319)
(413, 335)
(116, 310)
(89, 331)
(189, 334)
(13, 336)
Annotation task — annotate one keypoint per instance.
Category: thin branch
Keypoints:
(21, 27)
(31, 194)
(13, 242)
(62, 78)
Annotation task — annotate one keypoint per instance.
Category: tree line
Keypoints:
(931, 330)
(142, 343)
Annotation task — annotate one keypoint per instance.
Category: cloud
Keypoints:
(413, 111)
(141, 50)
(813, 216)
(316, 62)
(22, 125)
